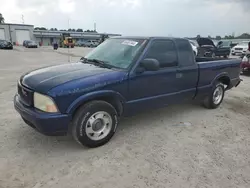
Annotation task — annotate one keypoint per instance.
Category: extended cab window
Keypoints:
(164, 51)
(186, 55)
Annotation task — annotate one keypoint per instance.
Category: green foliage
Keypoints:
(218, 37)
(1, 18)
(40, 28)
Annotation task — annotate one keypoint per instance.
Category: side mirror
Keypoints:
(150, 64)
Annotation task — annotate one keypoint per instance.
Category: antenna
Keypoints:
(69, 57)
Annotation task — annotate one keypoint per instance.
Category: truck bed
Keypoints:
(212, 68)
(208, 59)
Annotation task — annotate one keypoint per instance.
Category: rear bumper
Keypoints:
(45, 123)
(234, 83)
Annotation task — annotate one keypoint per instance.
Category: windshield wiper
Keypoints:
(98, 62)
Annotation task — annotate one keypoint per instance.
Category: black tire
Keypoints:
(242, 71)
(79, 124)
(209, 102)
(226, 56)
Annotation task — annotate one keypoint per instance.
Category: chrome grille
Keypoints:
(238, 48)
(26, 95)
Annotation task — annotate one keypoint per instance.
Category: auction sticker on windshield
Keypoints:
(130, 43)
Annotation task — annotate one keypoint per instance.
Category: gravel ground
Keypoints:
(179, 146)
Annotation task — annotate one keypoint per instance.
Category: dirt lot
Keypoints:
(179, 146)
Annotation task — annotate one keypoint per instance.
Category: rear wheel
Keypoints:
(94, 124)
(216, 96)
(242, 70)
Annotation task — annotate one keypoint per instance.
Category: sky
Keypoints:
(180, 18)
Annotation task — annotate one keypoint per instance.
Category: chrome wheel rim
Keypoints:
(99, 125)
(217, 95)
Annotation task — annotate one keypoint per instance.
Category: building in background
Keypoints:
(17, 33)
(46, 37)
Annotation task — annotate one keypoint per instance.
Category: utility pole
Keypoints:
(94, 26)
(10, 34)
(69, 57)
(22, 19)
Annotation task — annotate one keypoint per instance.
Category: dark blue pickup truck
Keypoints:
(122, 76)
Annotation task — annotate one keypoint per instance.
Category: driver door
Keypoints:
(151, 89)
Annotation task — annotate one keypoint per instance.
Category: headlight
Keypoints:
(44, 103)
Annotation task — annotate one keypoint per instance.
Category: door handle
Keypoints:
(179, 75)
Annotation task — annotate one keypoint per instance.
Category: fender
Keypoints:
(222, 74)
(92, 95)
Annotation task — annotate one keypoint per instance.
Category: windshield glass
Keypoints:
(226, 43)
(117, 52)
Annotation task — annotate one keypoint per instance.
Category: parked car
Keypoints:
(207, 48)
(194, 47)
(233, 44)
(4, 44)
(31, 44)
(88, 98)
(240, 49)
(245, 64)
(81, 43)
(91, 44)
(25, 42)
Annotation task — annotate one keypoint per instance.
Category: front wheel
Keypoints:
(94, 124)
(216, 96)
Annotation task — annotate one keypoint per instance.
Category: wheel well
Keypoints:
(116, 103)
(225, 80)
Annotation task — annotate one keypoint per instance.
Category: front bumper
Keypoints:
(45, 123)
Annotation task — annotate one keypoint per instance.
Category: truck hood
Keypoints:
(205, 41)
(44, 79)
(241, 46)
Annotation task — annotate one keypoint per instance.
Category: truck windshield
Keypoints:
(118, 53)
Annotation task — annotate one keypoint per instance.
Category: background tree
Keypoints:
(1, 18)
(91, 31)
(218, 37)
(244, 36)
(79, 30)
(40, 28)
